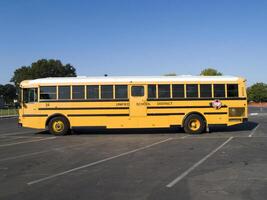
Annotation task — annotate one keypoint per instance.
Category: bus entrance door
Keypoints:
(138, 107)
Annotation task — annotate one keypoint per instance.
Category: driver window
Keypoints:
(30, 95)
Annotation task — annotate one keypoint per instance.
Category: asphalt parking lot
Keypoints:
(228, 163)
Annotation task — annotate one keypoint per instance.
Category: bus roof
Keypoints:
(128, 79)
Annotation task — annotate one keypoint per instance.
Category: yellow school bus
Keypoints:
(191, 102)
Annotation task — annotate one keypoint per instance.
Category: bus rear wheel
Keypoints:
(194, 124)
(58, 126)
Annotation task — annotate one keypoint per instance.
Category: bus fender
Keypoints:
(56, 115)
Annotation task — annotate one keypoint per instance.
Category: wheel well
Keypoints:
(55, 115)
(197, 113)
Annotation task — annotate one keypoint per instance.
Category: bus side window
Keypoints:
(191, 90)
(121, 91)
(178, 90)
(48, 92)
(205, 90)
(106, 91)
(137, 91)
(78, 92)
(152, 91)
(92, 92)
(63, 92)
(219, 90)
(164, 91)
(232, 90)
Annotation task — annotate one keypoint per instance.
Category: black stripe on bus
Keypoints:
(198, 99)
(83, 100)
(87, 108)
(89, 127)
(34, 115)
(97, 115)
(160, 107)
(215, 113)
(162, 114)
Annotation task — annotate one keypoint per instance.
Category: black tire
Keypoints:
(194, 124)
(58, 126)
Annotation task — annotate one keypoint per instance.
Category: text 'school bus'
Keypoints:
(192, 102)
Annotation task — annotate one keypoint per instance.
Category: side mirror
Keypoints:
(17, 105)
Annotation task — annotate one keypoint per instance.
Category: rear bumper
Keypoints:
(245, 120)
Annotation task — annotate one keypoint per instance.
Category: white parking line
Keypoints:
(15, 143)
(14, 138)
(97, 162)
(253, 114)
(254, 131)
(24, 155)
(8, 117)
(19, 133)
(21, 137)
(42, 152)
(184, 174)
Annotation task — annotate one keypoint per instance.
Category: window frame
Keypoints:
(58, 93)
(98, 92)
(159, 94)
(183, 90)
(215, 96)
(126, 91)
(112, 92)
(72, 87)
(237, 90)
(205, 84)
(35, 93)
(52, 99)
(197, 91)
(135, 86)
(148, 90)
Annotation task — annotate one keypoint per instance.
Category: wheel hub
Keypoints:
(58, 126)
(194, 124)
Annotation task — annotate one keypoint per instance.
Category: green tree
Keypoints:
(20, 74)
(41, 69)
(210, 72)
(257, 92)
(8, 93)
(2, 89)
(170, 74)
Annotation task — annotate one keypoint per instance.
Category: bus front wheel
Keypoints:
(194, 124)
(58, 126)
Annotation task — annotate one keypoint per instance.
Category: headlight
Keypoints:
(236, 112)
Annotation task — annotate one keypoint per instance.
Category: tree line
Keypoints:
(7, 93)
(54, 68)
(41, 69)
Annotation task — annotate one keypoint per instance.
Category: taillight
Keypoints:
(236, 112)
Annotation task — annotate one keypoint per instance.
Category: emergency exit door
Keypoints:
(138, 105)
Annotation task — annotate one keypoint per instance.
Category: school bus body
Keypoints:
(140, 111)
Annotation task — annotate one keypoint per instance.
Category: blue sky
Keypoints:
(136, 37)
